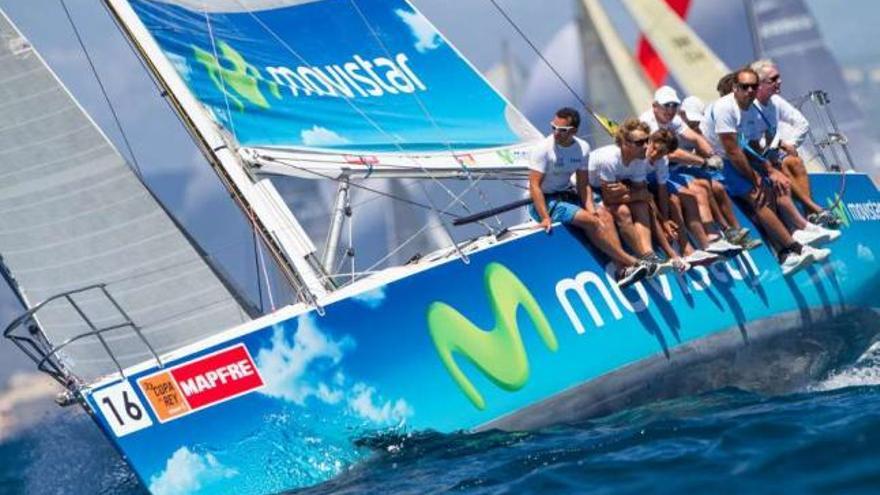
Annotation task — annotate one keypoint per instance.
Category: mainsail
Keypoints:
(336, 87)
(72, 213)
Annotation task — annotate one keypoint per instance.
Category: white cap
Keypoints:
(665, 94)
(693, 108)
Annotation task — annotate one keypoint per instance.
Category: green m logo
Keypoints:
(241, 82)
(837, 208)
(498, 353)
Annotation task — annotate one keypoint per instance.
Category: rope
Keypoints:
(134, 161)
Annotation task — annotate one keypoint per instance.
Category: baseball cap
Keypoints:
(693, 108)
(665, 94)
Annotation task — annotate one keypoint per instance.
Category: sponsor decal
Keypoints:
(201, 383)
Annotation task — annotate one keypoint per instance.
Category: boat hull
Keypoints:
(529, 332)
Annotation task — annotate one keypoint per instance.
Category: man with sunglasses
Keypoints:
(790, 128)
(620, 172)
(551, 167)
(692, 192)
(732, 126)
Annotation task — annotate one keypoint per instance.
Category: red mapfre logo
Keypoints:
(200, 383)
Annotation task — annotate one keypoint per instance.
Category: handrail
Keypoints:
(45, 354)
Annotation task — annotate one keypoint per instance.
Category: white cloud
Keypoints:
(188, 472)
(865, 253)
(285, 365)
(427, 38)
(387, 412)
(372, 298)
(180, 64)
(320, 136)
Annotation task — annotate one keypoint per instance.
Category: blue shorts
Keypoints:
(734, 182)
(678, 180)
(559, 210)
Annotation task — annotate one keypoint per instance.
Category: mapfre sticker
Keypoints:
(201, 383)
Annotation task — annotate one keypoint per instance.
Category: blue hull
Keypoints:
(530, 332)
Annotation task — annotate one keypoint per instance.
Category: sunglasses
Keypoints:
(561, 128)
(747, 86)
(773, 79)
(671, 105)
(638, 142)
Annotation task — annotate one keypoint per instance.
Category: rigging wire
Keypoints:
(427, 113)
(82, 45)
(606, 123)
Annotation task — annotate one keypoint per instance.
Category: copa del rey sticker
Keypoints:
(203, 382)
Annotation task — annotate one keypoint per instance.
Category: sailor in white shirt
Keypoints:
(620, 172)
(790, 128)
(551, 167)
(732, 127)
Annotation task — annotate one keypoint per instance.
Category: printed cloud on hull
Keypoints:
(372, 298)
(383, 413)
(427, 38)
(189, 472)
(290, 369)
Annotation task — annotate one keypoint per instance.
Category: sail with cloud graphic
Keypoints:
(378, 90)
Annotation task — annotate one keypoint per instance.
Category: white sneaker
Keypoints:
(723, 248)
(794, 262)
(702, 258)
(681, 265)
(806, 236)
(665, 266)
(817, 254)
(831, 233)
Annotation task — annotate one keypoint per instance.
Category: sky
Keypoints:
(177, 172)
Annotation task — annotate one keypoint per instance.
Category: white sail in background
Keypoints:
(72, 213)
(609, 65)
(695, 66)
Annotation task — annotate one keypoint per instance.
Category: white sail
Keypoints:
(72, 214)
(695, 66)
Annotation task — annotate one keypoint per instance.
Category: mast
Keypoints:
(261, 203)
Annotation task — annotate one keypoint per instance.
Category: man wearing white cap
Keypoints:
(694, 194)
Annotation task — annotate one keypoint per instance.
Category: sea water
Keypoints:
(819, 440)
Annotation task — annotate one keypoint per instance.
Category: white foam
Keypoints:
(865, 372)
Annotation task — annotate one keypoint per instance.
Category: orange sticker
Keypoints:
(162, 392)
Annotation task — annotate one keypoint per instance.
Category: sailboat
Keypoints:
(512, 330)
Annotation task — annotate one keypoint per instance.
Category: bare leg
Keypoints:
(603, 235)
(692, 217)
(725, 204)
(717, 216)
(794, 167)
(641, 214)
(789, 212)
(767, 218)
(684, 244)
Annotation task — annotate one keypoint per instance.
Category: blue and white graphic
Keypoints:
(371, 75)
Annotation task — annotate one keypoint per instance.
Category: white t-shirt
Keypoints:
(788, 123)
(606, 165)
(676, 125)
(558, 163)
(724, 116)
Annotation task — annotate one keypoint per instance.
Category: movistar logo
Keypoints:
(241, 82)
(837, 207)
(499, 352)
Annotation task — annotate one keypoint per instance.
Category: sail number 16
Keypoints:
(122, 409)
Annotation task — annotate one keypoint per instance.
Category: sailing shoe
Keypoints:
(816, 254)
(681, 265)
(723, 248)
(831, 233)
(824, 218)
(663, 265)
(750, 243)
(792, 261)
(813, 234)
(702, 258)
(735, 235)
(631, 274)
